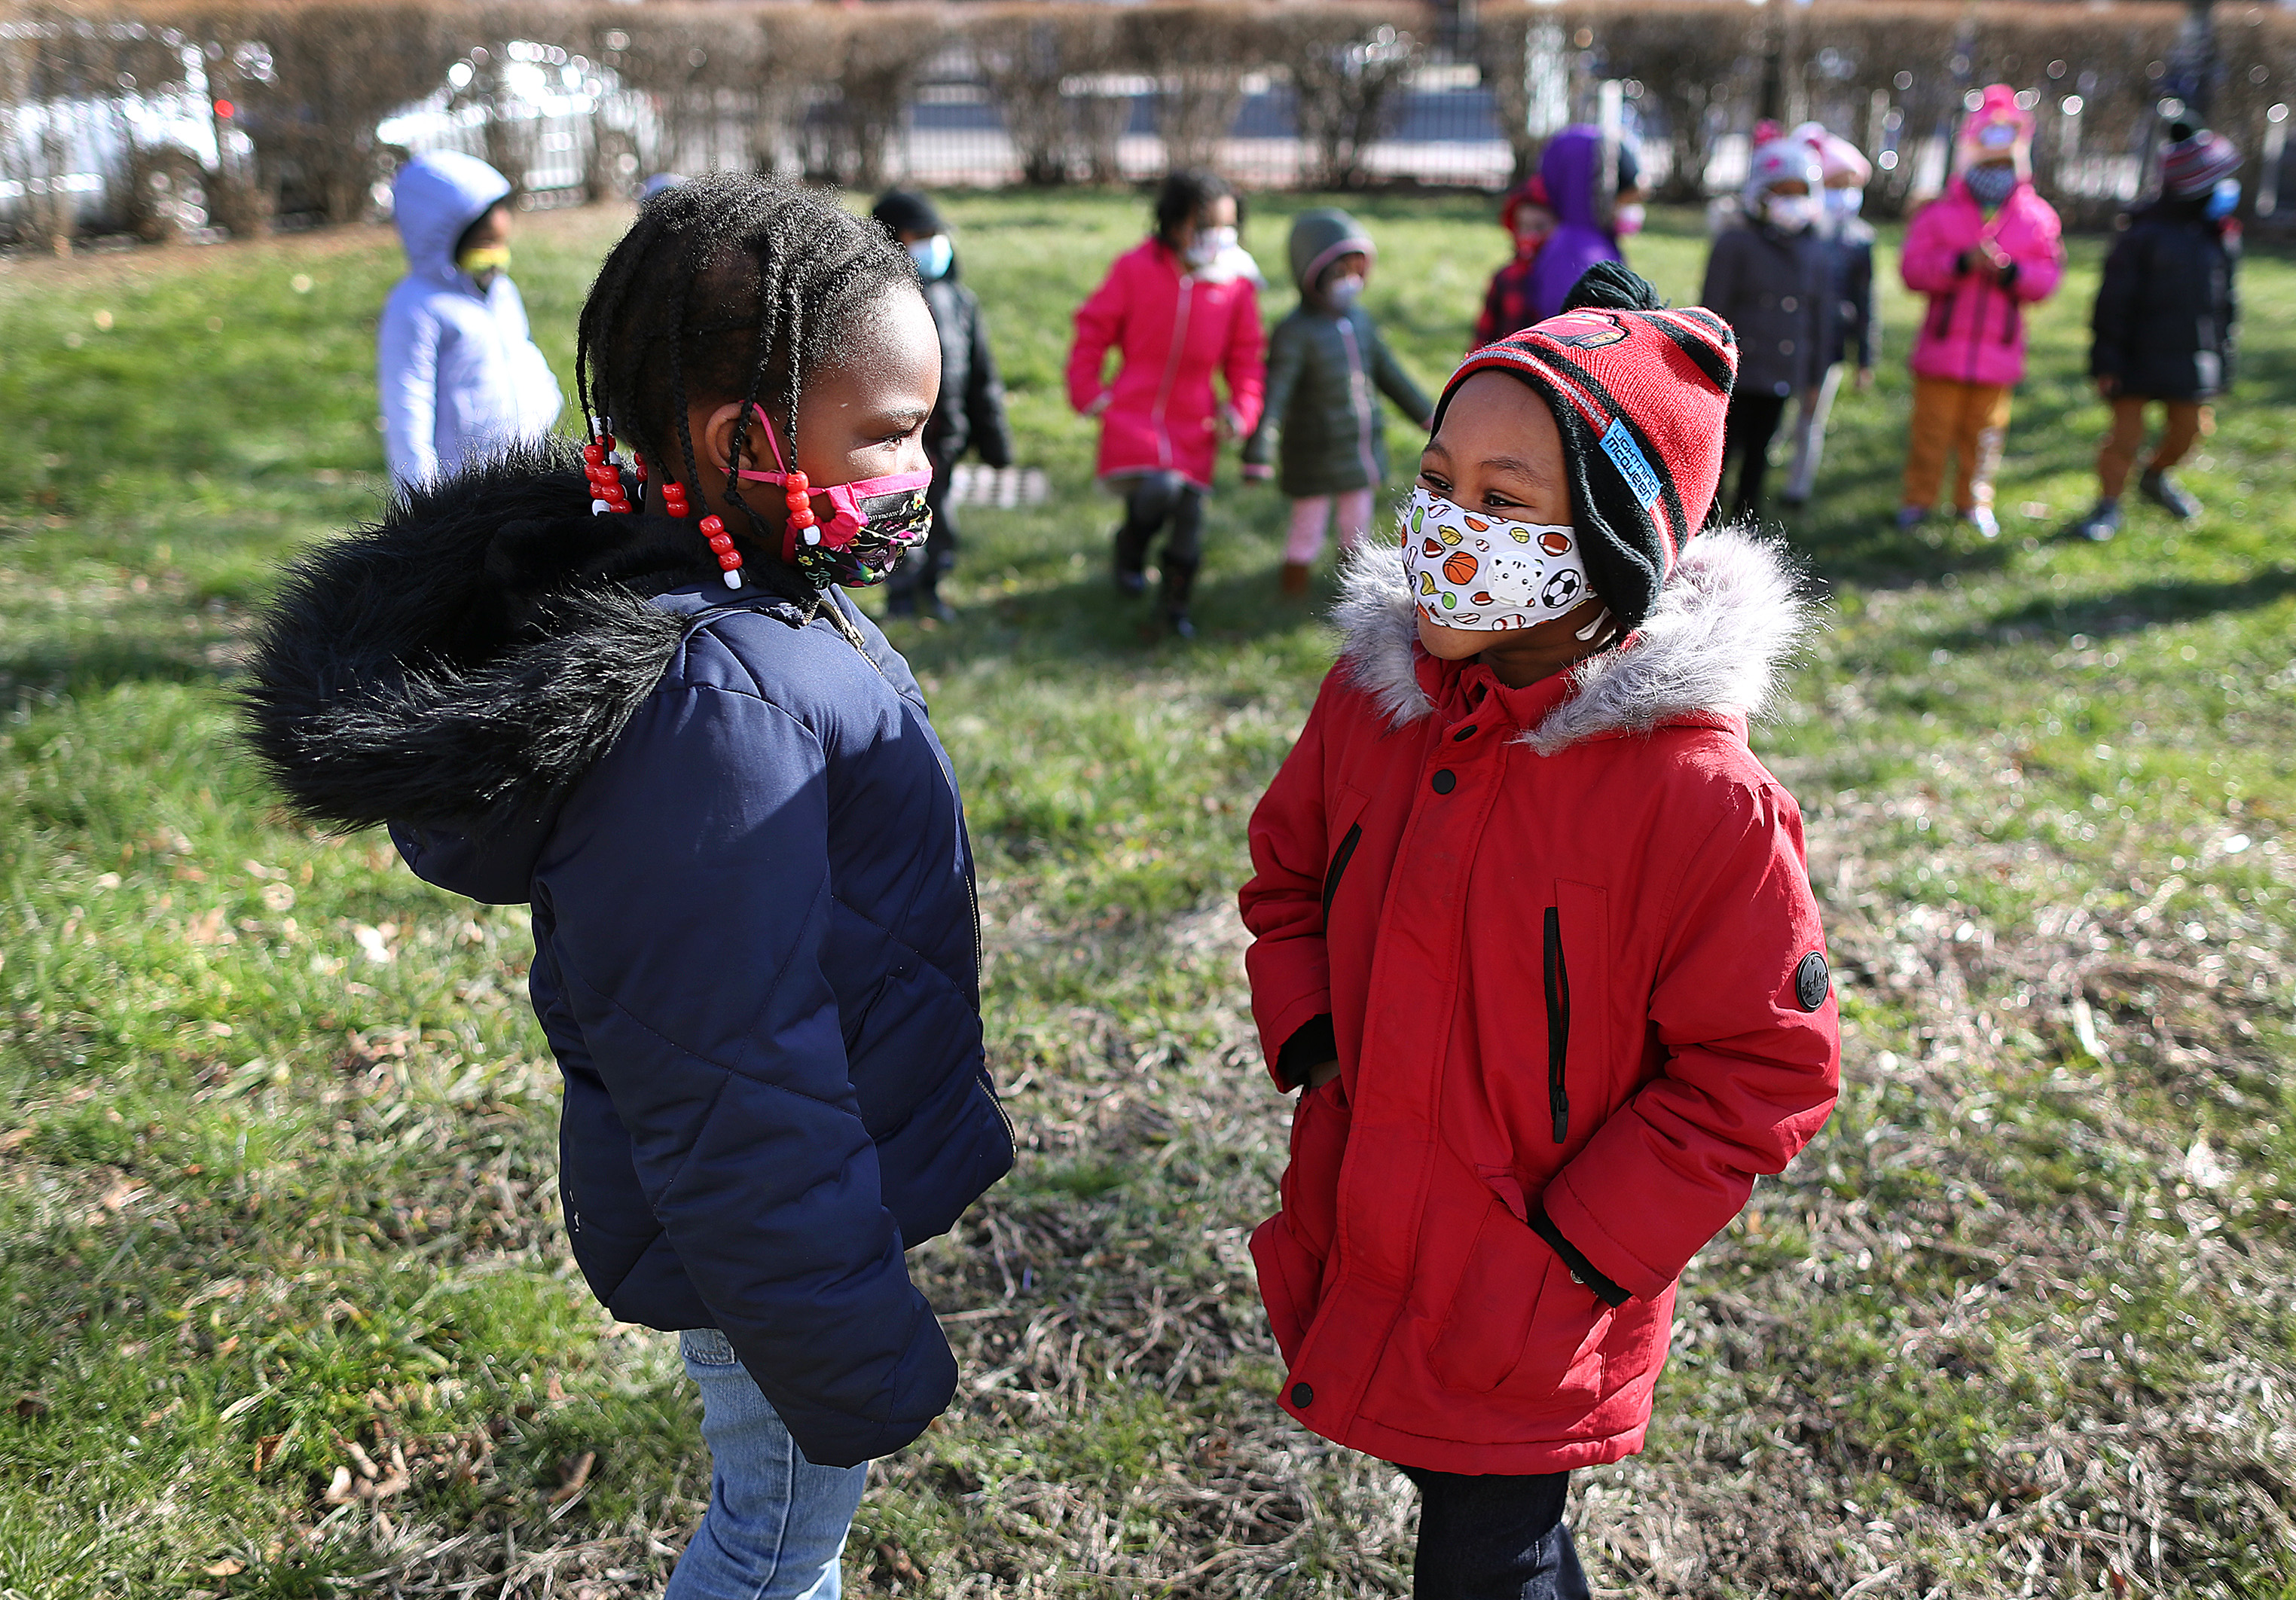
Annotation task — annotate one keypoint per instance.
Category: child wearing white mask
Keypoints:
(1327, 367)
(1767, 278)
(1533, 938)
(1179, 310)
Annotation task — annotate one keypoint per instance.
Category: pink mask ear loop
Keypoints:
(771, 438)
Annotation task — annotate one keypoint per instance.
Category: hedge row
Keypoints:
(825, 88)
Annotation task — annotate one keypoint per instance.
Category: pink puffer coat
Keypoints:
(1173, 330)
(1974, 330)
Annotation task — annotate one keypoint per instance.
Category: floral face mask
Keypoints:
(1485, 574)
(878, 521)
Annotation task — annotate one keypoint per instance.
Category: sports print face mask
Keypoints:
(1485, 574)
(878, 521)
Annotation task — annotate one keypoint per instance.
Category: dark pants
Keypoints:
(1158, 500)
(926, 565)
(1494, 1538)
(1746, 435)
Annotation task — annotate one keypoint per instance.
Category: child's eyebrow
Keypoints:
(1517, 465)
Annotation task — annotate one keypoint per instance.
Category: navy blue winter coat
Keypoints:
(757, 953)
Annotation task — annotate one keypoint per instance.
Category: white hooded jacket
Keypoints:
(459, 377)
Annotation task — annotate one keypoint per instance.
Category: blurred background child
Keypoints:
(1766, 277)
(1594, 183)
(1528, 219)
(1849, 330)
(970, 414)
(459, 377)
(2164, 326)
(1324, 363)
(1181, 307)
(1981, 251)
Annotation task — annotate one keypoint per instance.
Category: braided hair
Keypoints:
(727, 284)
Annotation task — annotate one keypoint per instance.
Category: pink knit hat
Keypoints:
(1844, 165)
(1998, 127)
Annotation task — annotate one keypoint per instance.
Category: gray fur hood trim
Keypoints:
(1734, 611)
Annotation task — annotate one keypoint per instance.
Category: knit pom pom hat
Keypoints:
(2197, 162)
(1639, 393)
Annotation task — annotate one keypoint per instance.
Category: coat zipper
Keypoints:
(1558, 1027)
(1359, 401)
(1339, 858)
(1976, 329)
(1171, 369)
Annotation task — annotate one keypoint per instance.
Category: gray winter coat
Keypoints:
(1326, 370)
(1772, 288)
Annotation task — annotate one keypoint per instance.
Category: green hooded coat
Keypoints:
(1323, 367)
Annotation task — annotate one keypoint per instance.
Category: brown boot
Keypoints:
(1294, 583)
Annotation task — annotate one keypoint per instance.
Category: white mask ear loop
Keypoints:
(1589, 631)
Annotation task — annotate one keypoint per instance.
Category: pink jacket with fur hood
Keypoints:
(1174, 329)
(1974, 330)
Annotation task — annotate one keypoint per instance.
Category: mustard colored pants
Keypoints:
(2187, 422)
(1971, 420)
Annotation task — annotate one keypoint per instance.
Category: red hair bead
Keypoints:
(593, 454)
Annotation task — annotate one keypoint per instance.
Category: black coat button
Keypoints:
(1445, 782)
(1464, 734)
(1302, 1396)
(1811, 981)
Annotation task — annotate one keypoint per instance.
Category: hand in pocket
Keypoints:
(1517, 1319)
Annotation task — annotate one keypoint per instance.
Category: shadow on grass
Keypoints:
(1085, 619)
(2131, 609)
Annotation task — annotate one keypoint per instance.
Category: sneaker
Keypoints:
(1981, 518)
(2170, 495)
(1910, 517)
(2103, 521)
(1291, 583)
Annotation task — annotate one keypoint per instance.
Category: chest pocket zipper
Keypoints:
(1558, 1027)
(1339, 857)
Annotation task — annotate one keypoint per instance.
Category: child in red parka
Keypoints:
(1532, 929)
(1182, 307)
(1981, 251)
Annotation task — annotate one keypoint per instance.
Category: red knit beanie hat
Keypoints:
(1639, 393)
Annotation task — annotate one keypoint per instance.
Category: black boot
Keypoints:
(1179, 579)
(1132, 558)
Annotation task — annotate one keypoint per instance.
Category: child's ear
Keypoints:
(715, 443)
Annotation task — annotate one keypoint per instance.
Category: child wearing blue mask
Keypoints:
(2164, 327)
(970, 415)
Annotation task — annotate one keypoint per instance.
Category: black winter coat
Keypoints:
(2166, 319)
(1854, 334)
(970, 410)
(756, 949)
(1772, 288)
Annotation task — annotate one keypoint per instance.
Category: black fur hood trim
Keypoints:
(465, 659)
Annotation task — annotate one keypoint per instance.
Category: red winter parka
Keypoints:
(1575, 975)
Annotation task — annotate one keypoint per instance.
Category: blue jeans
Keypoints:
(776, 1523)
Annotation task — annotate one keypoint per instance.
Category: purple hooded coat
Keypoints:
(1572, 168)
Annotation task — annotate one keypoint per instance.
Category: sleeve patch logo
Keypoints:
(1811, 981)
(1627, 456)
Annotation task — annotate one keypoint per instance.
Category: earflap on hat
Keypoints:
(1639, 393)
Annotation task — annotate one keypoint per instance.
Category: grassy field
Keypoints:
(287, 1310)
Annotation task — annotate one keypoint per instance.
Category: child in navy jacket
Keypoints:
(636, 702)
